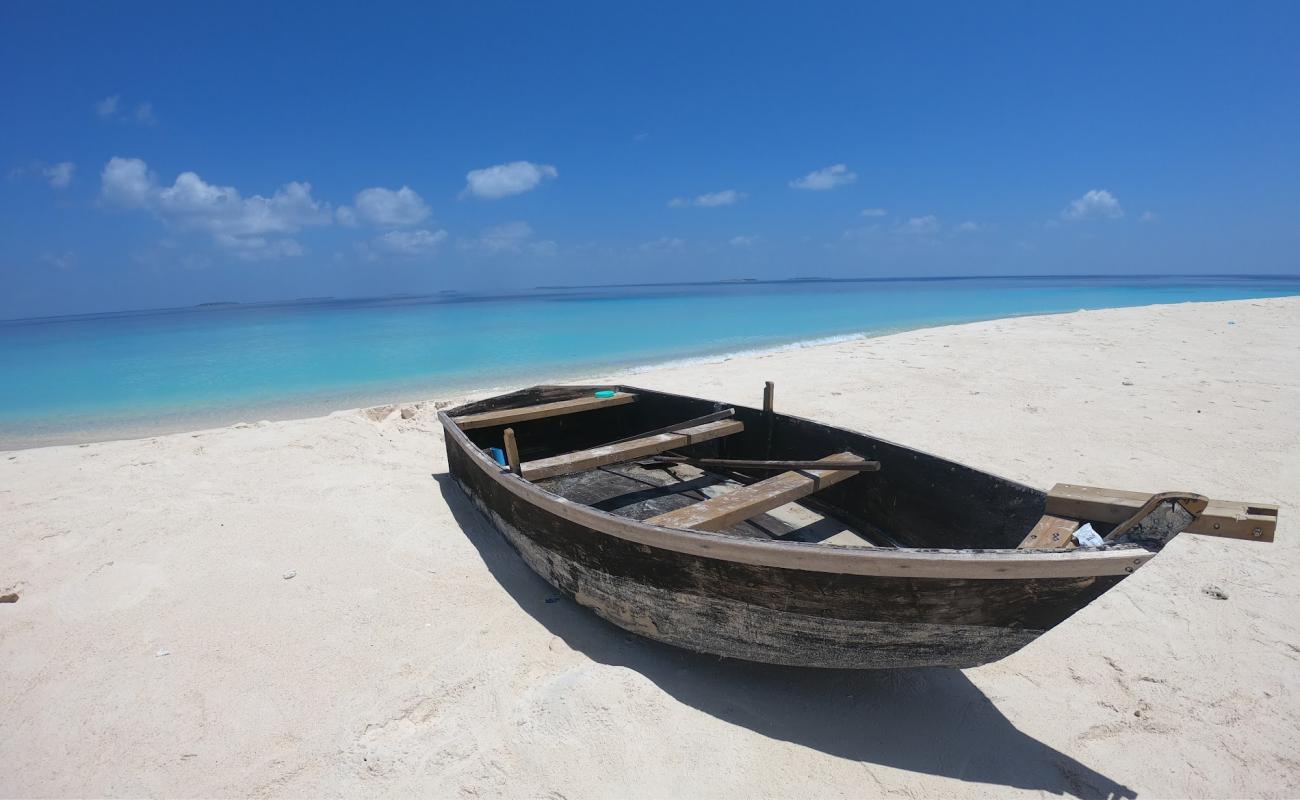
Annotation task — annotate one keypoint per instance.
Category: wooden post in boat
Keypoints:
(512, 451)
(769, 401)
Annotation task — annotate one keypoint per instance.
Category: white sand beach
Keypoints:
(313, 608)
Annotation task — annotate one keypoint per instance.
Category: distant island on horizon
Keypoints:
(903, 278)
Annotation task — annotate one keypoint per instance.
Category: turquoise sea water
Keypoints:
(106, 375)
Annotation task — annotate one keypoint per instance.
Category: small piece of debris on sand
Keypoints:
(11, 597)
(289, 574)
(1215, 592)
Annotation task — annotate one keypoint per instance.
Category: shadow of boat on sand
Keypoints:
(932, 721)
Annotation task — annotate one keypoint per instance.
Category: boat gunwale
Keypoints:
(973, 564)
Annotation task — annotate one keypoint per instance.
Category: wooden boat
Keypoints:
(755, 535)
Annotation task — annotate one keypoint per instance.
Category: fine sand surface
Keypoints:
(157, 647)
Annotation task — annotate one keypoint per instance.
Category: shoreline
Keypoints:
(312, 607)
(456, 393)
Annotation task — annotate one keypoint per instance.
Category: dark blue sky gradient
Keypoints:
(999, 115)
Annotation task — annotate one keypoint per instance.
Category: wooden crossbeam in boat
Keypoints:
(725, 510)
(860, 465)
(1051, 533)
(725, 413)
(509, 416)
(582, 460)
(1229, 519)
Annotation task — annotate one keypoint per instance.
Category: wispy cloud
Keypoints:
(107, 108)
(826, 178)
(1095, 204)
(1148, 216)
(726, 197)
(663, 244)
(259, 248)
(112, 109)
(240, 224)
(927, 225)
(386, 208)
(967, 227)
(509, 237)
(503, 180)
(873, 212)
(59, 175)
(406, 244)
(61, 261)
(743, 241)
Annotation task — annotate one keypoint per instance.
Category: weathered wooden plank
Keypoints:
(725, 413)
(509, 416)
(726, 510)
(626, 451)
(1052, 533)
(512, 450)
(1229, 519)
(858, 465)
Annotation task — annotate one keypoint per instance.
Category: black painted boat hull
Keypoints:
(796, 604)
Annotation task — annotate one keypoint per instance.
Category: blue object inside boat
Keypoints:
(498, 454)
(605, 393)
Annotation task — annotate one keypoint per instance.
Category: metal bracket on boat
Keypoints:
(1159, 519)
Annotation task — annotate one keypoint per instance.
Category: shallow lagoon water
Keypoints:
(107, 375)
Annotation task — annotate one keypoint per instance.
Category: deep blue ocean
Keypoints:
(135, 373)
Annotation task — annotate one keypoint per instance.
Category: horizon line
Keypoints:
(456, 295)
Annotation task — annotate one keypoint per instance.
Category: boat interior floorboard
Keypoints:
(629, 490)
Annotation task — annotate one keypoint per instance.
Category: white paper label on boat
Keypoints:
(1087, 537)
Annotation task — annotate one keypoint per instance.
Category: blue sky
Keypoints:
(171, 154)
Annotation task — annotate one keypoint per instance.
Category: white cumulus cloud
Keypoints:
(387, 208)
(726, 197)
(826, 178)
(1095, 204)
(240, 224)
(503, 180)
(127, 182)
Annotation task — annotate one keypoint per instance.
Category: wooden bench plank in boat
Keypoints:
(1226, 518)
(726, 510)
(509, 416)
(626, 451)
(1051, 533)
